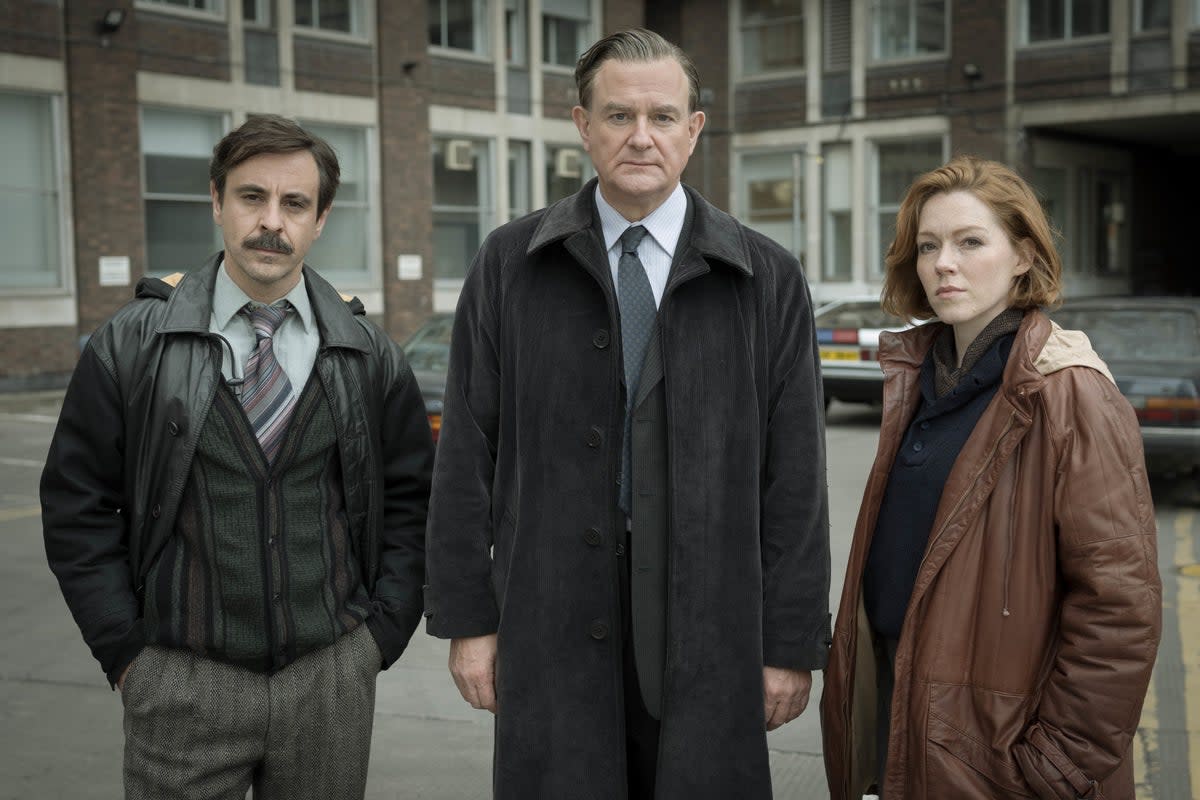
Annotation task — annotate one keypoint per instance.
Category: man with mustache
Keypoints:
(234, 500)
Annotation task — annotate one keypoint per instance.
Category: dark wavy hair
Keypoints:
(271, 133)
(1019, 212)
(633, 45)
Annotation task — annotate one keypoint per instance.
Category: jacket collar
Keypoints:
(715, 236)
(189, 306)
(1040, 348)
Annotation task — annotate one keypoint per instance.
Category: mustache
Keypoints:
(268, 241)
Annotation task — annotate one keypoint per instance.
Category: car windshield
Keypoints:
(858, 315)
(1136, 334)
(429, 348)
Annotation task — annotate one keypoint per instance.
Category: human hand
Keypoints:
(785, 694)
(121, 680)
(473, 666)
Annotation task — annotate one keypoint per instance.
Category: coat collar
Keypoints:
(1024, 373)
(189, 306)
(715, 236)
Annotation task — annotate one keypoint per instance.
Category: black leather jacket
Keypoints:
(124, 444)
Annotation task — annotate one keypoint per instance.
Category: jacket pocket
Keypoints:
(969, 736)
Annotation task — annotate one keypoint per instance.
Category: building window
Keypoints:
(343, 251)
(1104, 221)
(335, 16)
(897, 165)
(520, 194)
(1051, 186)
(463, 210)
(566, 31)
(215, 7)
(31, 226)
(516, 32)
(908, 28)
(836, 265)
(1055, 20)
(772, 36)
(176, 148)
(1152, 15)
(567, 170)
(256, 12)
(772, 197)
(459, 25)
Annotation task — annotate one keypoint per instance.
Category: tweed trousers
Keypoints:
(198, 729)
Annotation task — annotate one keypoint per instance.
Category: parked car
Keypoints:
(848, 335)
(1152, 348)
(428, 351)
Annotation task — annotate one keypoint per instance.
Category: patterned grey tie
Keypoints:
(636, 301)
(267, 394)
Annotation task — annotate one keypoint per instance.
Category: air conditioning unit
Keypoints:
(568, 163)
(460, 155)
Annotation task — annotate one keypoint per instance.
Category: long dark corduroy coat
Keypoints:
(524, 523)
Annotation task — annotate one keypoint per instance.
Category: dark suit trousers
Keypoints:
(641, 729)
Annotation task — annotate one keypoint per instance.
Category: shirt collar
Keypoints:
(664, 223)
(229, 299)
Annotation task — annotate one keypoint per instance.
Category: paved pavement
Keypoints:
(60, 726)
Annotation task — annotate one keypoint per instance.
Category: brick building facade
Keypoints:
(452, 118)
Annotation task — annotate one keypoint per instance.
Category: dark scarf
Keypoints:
(946, 373)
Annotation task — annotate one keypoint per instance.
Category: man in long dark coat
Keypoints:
(628, 539)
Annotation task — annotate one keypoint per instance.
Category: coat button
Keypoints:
(600, 339)
(156, 512)
(620, 549)
(173, 428)
(917, 446)
(592, 536)
(594, 437)
(598, 630)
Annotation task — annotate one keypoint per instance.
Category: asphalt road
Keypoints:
(60, 725)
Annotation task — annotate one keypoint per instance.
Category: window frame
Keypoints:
(147, 196)
(585, 34)
(829, 152)
(64, 284)
(360, 10)
(738, 32)
(877, 240)
(217, 10)
(1068, 15)
(482, 41)
(912, 54)
(1137, 9)
(798, 220)
(368, 276)
(486, 211)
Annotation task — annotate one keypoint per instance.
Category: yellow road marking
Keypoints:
(1188, 617)
(9, 514)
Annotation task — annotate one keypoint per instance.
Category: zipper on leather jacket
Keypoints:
(964, 495)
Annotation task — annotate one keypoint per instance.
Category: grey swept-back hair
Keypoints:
(633, 45)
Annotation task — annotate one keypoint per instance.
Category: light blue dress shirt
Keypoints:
(295, 341)
(664, 224)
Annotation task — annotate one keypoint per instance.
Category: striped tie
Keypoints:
(267, 393)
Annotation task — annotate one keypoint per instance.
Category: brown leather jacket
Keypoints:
(1034, 622)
